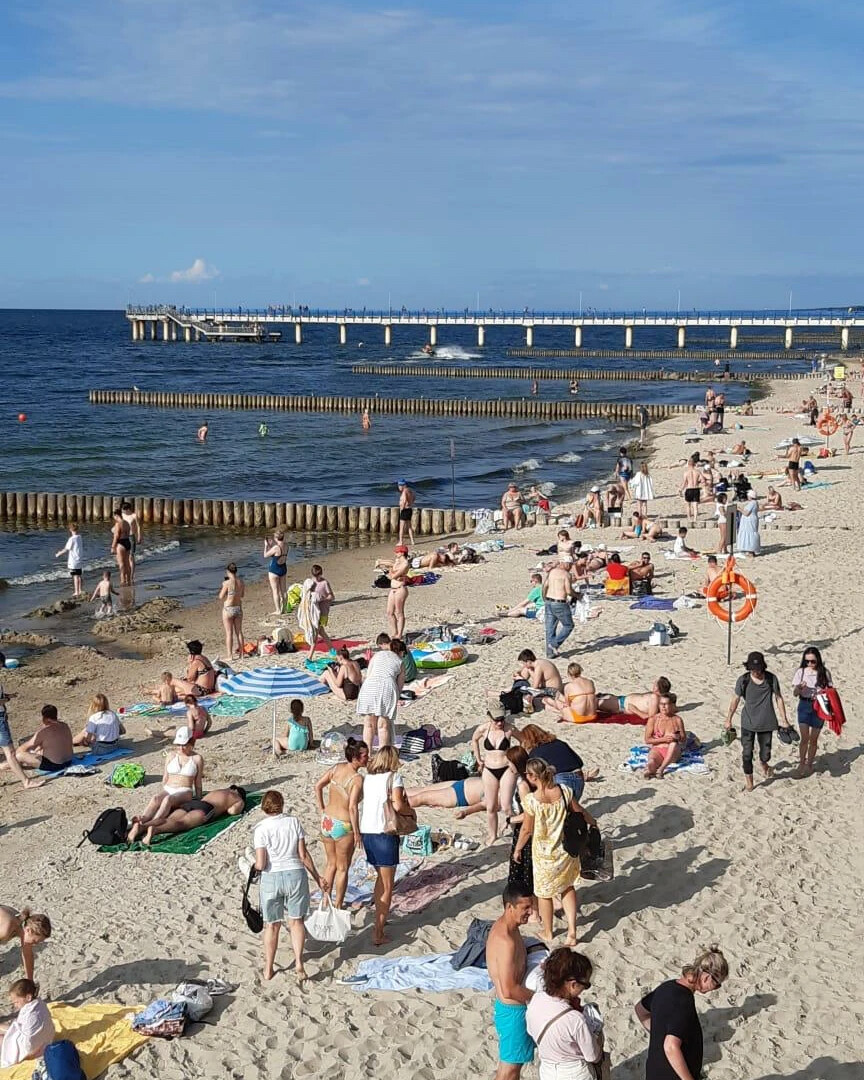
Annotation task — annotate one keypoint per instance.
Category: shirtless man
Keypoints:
(127, 510)
(691, 487)
(202, 432)
(577, 702)
(507, 963)
(50, 747)
(557, 595)
(223, 802)
(407, 498)
(712, 571)
(511, 508)
(793, 463)
(543, 678)
(644, 705)
(665, 736)
(643, 570)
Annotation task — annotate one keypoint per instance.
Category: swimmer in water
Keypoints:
(367, 420)
(263, 430)
(202, 432)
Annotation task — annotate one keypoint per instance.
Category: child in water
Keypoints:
(103, 593)
(299, 733)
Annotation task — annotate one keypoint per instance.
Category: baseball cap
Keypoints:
(755, 662)
(401, 483)
(183, 736)
(565, 558)
(497, 712)
(595, 489)
(401, 549)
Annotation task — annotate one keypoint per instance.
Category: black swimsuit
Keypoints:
(502, 746)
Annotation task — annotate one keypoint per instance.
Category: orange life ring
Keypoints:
(827, 423)
(719, 590)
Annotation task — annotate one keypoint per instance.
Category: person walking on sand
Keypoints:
(340, 824)
(28, 928)
(407, 498)
(811, 678)
(793, 464)
(73, 549)
(558, 614)
(567, 1045)
(507, 964)
(691, 487)
(379, 694)
(759, 689)
(231, 594)
(397, 595)
(276, 551)
(848, 432)
(669, 1016)
(325, 596)
(7, 743)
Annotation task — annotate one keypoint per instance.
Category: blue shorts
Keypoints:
(382, 849)
(807, 714)
(515, 1045)
(284, 894)
(5, 733)
(573, 781)
(459, 792)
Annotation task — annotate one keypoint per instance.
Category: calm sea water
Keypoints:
(50, 359)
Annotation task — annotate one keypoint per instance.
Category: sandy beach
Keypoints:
(774, 876)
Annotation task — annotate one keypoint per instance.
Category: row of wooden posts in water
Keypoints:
(507, 407)
(62, 509)
(429, 371)
(655, 354)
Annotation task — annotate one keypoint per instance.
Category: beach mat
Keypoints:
(653, 603)
(236, 705)
(621, 718)
(188, 843)
(89, 759)
(361, 879)
(152, 708)
(422, 691)
(101, 1034)
(433, 973)
(691, 761)
(418, 891)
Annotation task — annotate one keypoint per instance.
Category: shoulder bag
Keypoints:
(398, 822)
(252, 915)
(574, 834)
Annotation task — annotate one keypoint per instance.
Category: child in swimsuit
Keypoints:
(103, 593)
(299, 733)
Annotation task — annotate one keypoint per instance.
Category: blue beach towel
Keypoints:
(653, 603)
(93, 757)
(432, 972)
(692, 760)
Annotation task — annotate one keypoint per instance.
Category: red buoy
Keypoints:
(22, 416)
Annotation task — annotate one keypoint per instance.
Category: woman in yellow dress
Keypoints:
(555, 872)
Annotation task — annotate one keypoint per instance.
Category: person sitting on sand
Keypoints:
(665, 736)
(594, 508)
(512, 514)
(643, 704)
(198, 719)
(200, 674)
(740, 450)
(181, 782)
(298, 735)
(28, 928)
(641, 528)
(103, 725)
(347, 678)
(223, 802)
(712, 571)
(50, 748)
(165, 692)
(616, 573)
(680, 548)
(537, 678)
(26, 1037)
(576, 702)
(615, 495)
(466, 796)
(642, 570)
(747, 408)
(531, 602)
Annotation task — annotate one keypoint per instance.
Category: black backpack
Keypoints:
(574, 835)
(443, 770)
(111, 827)
(512, 702)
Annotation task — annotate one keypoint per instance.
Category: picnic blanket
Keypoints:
(235, 705)
(101, 1034)
(692, 760)
(417, 892)
(153, 708)
(653, 603)
(432, 972)
(91, 758)
(188, 843)
(361, 879)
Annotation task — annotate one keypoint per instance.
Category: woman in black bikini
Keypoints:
(200, 674)
(490, 744)
(345, 681)
(121, 547)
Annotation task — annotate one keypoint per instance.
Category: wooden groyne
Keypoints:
(52, 508)
(522, 408)
(659, 354)
(605, 374)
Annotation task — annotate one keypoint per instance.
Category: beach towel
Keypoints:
(101, 1034)
(93, 757)
(691, 761)
(235, 705)
(361, 879)
(417, 892)
(308, 611)
(621, 718)
(426, 577)
(188, 843)
(335, 643)
(432, 972)
(150, 708)
(421, 687)
(653, 603)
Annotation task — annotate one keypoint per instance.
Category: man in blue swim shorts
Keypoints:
(507, 963)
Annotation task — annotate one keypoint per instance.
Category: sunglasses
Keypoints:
(811, 660)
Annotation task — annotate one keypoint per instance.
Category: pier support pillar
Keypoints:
(142, 330)
(433, 335)
(529, 337)
(298, 333)
(682, 337)
(628, 337)
(343, 334)
(733, 338)
(197, 334)
(787, 338)
(577, 337)
(844, 337)
(187, 333)
(166, 330)
(134, 329)
(388, 334)
(153, 329)
(481, 336)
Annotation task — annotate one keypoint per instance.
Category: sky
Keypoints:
(431, 154)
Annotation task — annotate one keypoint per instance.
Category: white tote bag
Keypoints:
(328, 923)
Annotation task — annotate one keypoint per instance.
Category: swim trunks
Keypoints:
(692, 495)
(406, 514)
(792, 466)
(47, 765)
(515, 1045)
(208, 809)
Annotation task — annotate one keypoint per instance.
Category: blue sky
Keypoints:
(337, 153)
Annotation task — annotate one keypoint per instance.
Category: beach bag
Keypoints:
(447, 770)
(60, 1061)
(512, 702)
(418, 842)
(252, 915)
(328, 923)
(128, 774)
(413, 742)
(195, 997)
(574, 834)
(828, 707)
(111, 827)
(398, 822)
(163, 1019)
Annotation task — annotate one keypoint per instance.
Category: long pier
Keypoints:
(605, 374)
(522, 408)
(211, 324)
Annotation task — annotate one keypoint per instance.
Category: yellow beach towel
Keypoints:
(101, 1033)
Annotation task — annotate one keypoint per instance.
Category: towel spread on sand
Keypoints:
(653, 603)
(417, 892)
(188, 843)
(101, 1034)
(432, 972)
(621, 718)
(424, 686)
(235, 705)
(93, 757)
(691, 761)
(152, 708)
(361, 879)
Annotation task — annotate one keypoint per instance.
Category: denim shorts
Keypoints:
(284, 894)
(382, 849)
(5, 733)
(807, 714)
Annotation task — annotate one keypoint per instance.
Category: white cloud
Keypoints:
(363, 281)
(147, 279)
(197, 272)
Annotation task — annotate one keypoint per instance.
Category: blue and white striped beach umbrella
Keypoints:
(272, 683)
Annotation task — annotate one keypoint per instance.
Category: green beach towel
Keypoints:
(235, 705)
(188, 843)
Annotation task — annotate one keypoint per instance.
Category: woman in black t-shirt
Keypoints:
(669, 1016)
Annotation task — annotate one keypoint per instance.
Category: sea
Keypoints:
(49, 360)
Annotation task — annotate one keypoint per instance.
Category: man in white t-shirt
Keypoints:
(74, 552)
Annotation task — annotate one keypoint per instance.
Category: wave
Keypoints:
(594, 431)
(58, 573)
(528, 465)
(445, 352)
(570, 458)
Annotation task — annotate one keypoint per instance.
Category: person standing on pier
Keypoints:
(407, 499)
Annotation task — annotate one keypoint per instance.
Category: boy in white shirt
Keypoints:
(74, 552)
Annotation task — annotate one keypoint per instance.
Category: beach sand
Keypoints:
(774, 877)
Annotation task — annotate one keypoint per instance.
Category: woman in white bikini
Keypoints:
(231, 594)
(181, 781)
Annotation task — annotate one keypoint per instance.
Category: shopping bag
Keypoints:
(328, 923)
